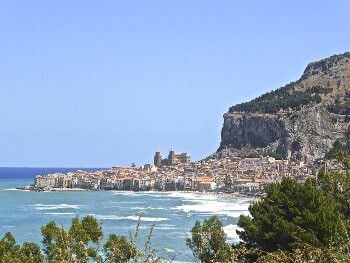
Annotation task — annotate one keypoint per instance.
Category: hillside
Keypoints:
(304, 119)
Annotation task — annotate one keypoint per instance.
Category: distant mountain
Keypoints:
(306, 119)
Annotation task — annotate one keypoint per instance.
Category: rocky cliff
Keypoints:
(302, 120)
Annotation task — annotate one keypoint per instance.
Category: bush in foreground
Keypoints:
(80, 244)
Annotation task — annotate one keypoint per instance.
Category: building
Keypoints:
(157, 159)
(150, 168)
(47, 181)
(173, 158)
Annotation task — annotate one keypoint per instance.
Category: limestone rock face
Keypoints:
(251, 130)
(309, 133)
(306, 133)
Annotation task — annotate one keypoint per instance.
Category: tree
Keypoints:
(338, 185)
(79, 244)
(10, 252)
(208, 242)
(118, 249)
(292, 213)
(31, 253)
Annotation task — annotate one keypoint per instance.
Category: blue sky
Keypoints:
(103, 83)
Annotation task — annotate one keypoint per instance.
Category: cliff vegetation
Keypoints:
(323, 80)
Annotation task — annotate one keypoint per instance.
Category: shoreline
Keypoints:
(231, 195)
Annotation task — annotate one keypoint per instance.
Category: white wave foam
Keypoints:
(133, 218)
(174, 194)
(193, 196)
(169, 250)
(144, 194)
(149, 219)
(127, 193)
(198, 208)
(231, 209)
(55, 206)
(59, 214)
(165, 227)
(230, 231)
(236, 214)
(15, 189)
(146, 208)
(109, 217)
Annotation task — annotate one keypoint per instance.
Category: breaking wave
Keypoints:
(55, 206)
(214, 207)
(133, 218)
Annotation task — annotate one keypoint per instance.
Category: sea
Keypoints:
(173, 213)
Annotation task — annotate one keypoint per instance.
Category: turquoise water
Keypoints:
(173, 213)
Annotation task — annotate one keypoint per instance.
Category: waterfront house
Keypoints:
(48, 181)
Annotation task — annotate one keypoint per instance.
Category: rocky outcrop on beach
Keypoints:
(305, 119)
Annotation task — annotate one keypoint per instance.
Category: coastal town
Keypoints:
(222, 173)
